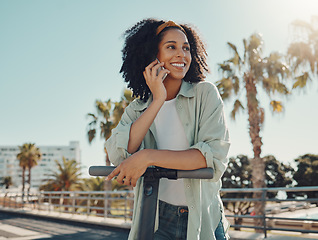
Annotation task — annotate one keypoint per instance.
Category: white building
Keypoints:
(9, 164)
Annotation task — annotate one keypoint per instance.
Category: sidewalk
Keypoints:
(245, 234)
(273, 235)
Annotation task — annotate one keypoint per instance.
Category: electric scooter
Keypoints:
(150, 193)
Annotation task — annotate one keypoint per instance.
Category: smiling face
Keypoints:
(174, 51)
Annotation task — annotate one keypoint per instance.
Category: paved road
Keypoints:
(20, 227)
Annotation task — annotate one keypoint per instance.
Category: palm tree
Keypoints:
(7, 181)
(107, 117)
(302, 53)
(93, 184)
(28, 157)
(244, 75)
(23, 164)
(34, 157)
(67, 178)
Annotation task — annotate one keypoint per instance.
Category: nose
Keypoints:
(181, 52)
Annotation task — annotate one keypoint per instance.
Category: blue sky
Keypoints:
(57, 57)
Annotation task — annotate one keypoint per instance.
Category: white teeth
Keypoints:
(178, 64)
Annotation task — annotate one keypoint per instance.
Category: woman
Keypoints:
(177, 122)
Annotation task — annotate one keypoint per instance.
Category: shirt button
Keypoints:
(192, 207)
(188, 186)
(180, 107)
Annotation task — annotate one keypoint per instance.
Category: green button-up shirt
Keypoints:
(200, 109)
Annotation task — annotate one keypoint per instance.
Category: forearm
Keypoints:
(140, 127)
(130, 170)
(182, 160)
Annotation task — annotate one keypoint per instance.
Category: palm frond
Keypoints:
(301, 80)
(92, 116)
(103, 108)
(237, 106)
(245, 48)
(106, 129)
(302, 25)
(91, 135)
(277, 106)
(236, 84)
(128, 96)
(225, 86)
(236, 60)
(225, 67)
(255, 43)
(300, 54)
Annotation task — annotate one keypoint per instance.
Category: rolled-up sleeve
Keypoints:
(212, 139)
(117, 144)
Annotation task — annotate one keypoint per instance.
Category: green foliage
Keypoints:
(307, 172)
(67, 178)
(244, 75)
(278, 174)
(6, 181)
(302, 53)
(266, 72)
(107, 116)
(28, 157)
(239, 175)
(118, 186)
(93, 184)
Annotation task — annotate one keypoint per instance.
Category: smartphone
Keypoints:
(159, 69)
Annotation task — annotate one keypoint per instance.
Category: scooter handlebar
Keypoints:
(203, 173)
(100, 170)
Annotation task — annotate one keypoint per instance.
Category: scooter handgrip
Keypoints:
(202, 173)
(100, 170)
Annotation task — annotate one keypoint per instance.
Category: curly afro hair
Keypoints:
(141, 48)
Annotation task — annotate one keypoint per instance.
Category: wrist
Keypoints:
(158, 101)
(146, 155)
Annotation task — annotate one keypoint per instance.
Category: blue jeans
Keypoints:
(173, 223)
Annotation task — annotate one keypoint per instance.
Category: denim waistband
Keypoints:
(172, 209)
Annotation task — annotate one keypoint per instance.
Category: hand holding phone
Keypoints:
(159, 69)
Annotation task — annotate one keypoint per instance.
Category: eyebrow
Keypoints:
(175, 42)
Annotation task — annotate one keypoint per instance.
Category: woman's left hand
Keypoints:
(131, 169)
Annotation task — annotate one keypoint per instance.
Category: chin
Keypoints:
(177, 76)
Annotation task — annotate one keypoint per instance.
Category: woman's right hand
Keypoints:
(154, 82)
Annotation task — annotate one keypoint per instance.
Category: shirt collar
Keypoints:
(186, 89)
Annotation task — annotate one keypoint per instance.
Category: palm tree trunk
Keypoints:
(107, 187)
(23, 183)
(258, 166)
(29, 182)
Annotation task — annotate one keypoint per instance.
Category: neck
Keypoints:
(172, 88)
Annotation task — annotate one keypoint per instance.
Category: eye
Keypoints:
(171, 47)
(186, 48)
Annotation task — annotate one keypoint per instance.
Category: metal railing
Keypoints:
(119, 204)
(275, 207)
(114, 204)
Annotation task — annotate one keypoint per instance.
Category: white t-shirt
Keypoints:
(171, 136)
